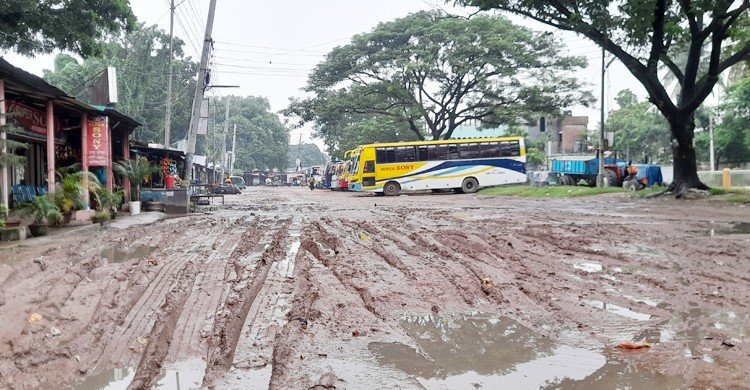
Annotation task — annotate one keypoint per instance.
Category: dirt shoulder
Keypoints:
(291, 288)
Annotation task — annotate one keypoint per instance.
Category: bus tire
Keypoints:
(470, 185)
(391, 188)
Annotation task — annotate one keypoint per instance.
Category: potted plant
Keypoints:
(108, 201)
(135, 171)
(43, 212)
(69, 192)
(3, 214)
(101, 216)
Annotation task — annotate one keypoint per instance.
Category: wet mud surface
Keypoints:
(290, 288)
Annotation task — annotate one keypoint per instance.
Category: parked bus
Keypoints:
(462, 165)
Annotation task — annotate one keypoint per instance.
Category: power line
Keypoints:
(271, 48)
(269, 54)
(262, 67)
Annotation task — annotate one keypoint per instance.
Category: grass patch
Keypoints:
(732, 195)
(548, 192)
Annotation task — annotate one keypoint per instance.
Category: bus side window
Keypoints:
(380, 155)
(405, 154)
(470, 151)
(390, 155)
(436, 152)
(490, 150)
(510, 149)
(452, 152)
(369, 166)
(422, 153)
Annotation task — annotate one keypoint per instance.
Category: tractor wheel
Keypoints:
(470, 185)
(391, 188)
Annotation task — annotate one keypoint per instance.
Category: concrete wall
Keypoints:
(740, 178)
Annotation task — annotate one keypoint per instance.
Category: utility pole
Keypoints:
(224, 142)
(234, 144)
(200, 89)
(711, 141)
(168, 114)
(600, 175)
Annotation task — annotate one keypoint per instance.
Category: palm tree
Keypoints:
(136, 171)
(69, 193)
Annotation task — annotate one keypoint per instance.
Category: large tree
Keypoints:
(431, 70)
(732, 134)
(142, 61)
(643, 34)
(262, 139)
(40, 26)
(640, 130)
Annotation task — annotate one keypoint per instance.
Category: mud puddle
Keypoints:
(117, 255)
(476, 352)
(589, 267)
(182, 375)
(112, 379)
(618, 310)
(735, 228)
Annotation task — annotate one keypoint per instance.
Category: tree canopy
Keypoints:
(640, 130)
(309, 154)
(429, 70)
(643, 34)
(731, 135)
(142, 61)
(39, 26)
(262, 139)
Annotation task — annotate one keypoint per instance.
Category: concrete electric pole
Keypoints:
(234, 144)
(224, 142)
(200, 89)
(168, 113)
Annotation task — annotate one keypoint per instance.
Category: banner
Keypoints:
(29, 118)
(97, 132)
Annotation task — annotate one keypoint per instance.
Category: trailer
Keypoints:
(570, 170)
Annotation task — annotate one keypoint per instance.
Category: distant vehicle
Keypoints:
(462, 165)
(572, 169)
(238, 181)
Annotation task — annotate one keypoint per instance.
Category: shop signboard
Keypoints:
(29, 118)
(97, 132)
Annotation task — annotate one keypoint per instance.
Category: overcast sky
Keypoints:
(268, 48)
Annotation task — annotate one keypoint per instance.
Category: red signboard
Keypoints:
(97, 132)
(29, 117)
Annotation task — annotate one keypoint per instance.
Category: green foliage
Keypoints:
(3, 214)
(640, 130)
(108, 201)
(41, 210)
(10, 159)
(31, 27)
(262, 139)
(101, 216)
(548, 192)
(644, 34)
(732, 134)
(428, 70)
(142, 61)
(69, 190)
(136, 171)
(309, 154)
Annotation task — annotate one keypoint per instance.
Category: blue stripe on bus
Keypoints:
(504, 163)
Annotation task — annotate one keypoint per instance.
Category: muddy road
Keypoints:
(286, 288)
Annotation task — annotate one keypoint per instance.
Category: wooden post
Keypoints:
(110, 176)
(50, 146)
(4, 184)
(85, 159)
(126, 156)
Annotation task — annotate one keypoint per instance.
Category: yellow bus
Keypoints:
(463, 165)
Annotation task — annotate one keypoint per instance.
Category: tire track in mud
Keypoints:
(162, 332)
(244, 290)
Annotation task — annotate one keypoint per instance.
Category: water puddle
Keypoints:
(589, 267)
(183, 375)
(116, 255)
(112, 379)
(735, 228)
(619, 310)
(474, 352)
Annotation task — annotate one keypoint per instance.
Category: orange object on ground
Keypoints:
(634, 345)
(169, 181)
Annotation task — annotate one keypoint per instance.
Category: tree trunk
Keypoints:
(683, 152)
